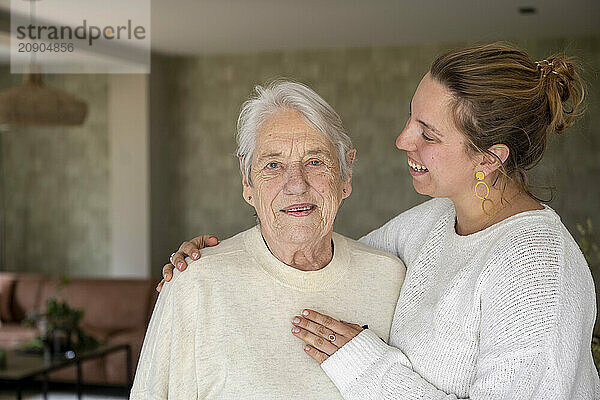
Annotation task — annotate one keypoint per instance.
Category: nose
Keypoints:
(406, 138)
(296, 180)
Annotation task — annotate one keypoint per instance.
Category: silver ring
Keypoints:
(331, 338)
(171, 258)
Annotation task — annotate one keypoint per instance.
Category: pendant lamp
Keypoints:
(33, 103)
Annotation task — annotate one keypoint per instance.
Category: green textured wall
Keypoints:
(371, 89)
(56, 181)
(55, 188)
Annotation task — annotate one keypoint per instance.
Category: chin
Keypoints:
(421, 190)
(301, 234)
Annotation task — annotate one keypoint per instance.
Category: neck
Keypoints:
(306, 256)
(470, 217)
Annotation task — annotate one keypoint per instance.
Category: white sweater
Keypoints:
(222, 328)
(505, 313)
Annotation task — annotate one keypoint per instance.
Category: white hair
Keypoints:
(285, 95)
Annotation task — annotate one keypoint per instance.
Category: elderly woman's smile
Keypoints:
(299, 210)
(296, 187)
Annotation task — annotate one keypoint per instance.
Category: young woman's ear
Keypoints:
(489, 163)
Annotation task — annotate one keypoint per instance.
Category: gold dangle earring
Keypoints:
(480, 176)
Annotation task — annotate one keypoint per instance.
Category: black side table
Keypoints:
(23, 367)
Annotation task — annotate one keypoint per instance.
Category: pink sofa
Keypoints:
(115, 310)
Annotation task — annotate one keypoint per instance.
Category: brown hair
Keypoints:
(501, 96)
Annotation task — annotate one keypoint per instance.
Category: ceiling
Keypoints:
(190, 27)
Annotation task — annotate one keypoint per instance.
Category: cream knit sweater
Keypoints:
(505, 313)
(222, 328)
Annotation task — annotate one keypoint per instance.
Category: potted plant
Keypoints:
(58, 326)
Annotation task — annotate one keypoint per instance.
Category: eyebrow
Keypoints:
(278, 154)
(273, 154)
(425, 124)
(430, 127)
(316, 152)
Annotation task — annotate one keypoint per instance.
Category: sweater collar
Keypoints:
(449, 221)
(307, 281)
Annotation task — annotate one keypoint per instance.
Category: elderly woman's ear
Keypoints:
(347, 185)
(246, 189)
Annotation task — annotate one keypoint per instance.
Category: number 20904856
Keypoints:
(45, 47)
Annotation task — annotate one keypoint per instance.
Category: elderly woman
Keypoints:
(498, 301)
(202, 341)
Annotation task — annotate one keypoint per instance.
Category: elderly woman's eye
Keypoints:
(273, 165)
(314, 163)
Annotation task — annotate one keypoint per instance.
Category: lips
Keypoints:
(299, 210)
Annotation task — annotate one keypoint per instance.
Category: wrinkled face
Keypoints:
(437, 154)
(296, 186)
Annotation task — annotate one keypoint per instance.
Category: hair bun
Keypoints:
(564, 91)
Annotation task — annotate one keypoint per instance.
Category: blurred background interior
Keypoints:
(153, 163)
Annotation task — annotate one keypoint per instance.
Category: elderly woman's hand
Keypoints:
(187, 249)
(322, 334)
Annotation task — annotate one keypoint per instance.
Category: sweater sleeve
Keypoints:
(520, 339)
(367, 368)
(166, 368)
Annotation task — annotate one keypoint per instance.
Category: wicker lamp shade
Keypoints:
(34, 103)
